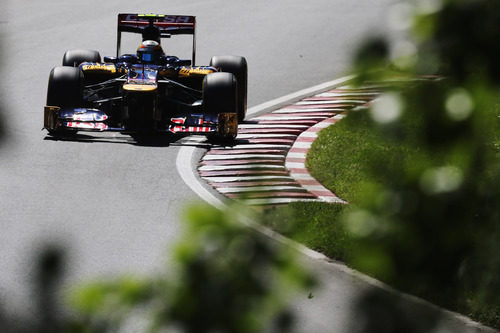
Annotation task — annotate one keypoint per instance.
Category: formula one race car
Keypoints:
(148, 91)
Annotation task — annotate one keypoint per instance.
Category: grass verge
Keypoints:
(340, 159)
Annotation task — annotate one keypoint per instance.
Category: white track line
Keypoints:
(187, 170)
(262, 136)
(290, 118)
(256, 146)
(263, 188)
(295, 165)
(225, 179)
(302, 144)
(276, 201)
(335, 101)
(297, 155)
(263, 126)
(301, 176)
(285, 111)
(309, 135)
(209, 157)
(347, 94)
(240, 167)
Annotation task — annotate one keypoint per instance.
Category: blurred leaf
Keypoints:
(228, 278)
(424, 220)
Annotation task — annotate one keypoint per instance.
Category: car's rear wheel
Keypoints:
(64, 89)
(74, 58)
(239, 68)
(220, 95)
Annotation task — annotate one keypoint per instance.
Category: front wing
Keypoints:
(86, 119)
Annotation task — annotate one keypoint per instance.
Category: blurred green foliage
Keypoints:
(229, 278)
(429, 223)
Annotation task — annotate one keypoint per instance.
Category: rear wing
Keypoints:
(168, 25)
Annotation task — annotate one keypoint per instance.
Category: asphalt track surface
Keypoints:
(114, 203)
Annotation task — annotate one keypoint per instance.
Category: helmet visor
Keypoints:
(147, 57)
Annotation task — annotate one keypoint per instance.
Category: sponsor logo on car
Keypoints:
(201, 70)
(99, 67)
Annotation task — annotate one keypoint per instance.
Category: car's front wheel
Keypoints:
(238, 67)
(64, 89)
(220, 97)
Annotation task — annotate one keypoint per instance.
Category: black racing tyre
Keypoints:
(74, 58)
(220, 93)
(65, 87)
(239, 68)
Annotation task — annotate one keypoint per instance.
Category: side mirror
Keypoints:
(182, 62)
(113, 60)
(128, 58)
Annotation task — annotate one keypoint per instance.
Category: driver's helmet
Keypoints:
(149, 52)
